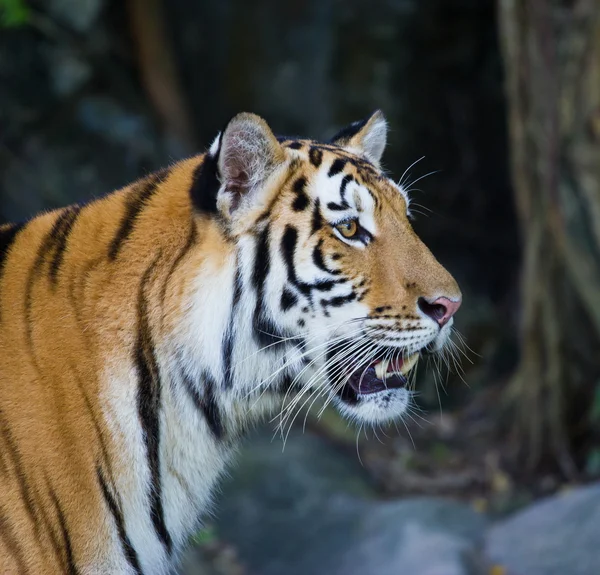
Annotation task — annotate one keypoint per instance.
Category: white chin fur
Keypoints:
(377, 407)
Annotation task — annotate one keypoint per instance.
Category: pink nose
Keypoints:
(440, 310)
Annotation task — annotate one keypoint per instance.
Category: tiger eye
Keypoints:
(348, 229)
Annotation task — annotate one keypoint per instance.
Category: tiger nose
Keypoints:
(440, 310)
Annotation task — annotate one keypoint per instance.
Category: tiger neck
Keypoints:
(210, 374)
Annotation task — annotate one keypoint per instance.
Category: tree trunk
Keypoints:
(551, 51)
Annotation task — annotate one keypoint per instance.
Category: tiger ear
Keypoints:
(247, 154)
(368, 137)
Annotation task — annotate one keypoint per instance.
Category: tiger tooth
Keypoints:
(381, 368)
(409, 363)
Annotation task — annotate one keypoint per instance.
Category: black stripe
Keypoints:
(301, 200)
(264, 330)
(348, 132)
(325, 285)
(68, 548)
(336, 207)
(295, 145)
(29, 496)
(149, 403)
(61, 239)
(210, 407)
(206, 183)
(262, 261)
(288, 249)
(48, 243)
(317, 257)
(317, 218)
(337, 166)
(128, 550)
(315, 156)
(136, 200)
(206, 404)
(345, 181)
(288, 299)
(52, 239)
(227, 344)
(339, 300)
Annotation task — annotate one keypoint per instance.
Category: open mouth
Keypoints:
(378, 376)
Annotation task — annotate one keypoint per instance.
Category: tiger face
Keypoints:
(344, 285)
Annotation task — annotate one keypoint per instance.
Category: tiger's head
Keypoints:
(341, 282)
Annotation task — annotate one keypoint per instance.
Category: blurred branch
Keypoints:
(158, 69)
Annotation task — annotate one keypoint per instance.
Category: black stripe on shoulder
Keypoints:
(128, 549)
(61, 239)
(137, 198)
(27, 494)
(149, 404)
(52, 239)
(71, 567)
(315, 155)
(337, 167)
(295, 145)
(207, 404)
(301, 201)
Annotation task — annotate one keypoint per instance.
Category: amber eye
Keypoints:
(348, 229)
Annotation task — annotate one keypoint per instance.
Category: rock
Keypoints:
(79, 15)
(312, 510)
(558, 536)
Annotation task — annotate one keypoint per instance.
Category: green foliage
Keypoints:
(13, 13)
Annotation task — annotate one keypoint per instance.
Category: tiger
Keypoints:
(144, 333)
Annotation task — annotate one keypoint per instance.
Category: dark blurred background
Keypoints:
(496, 105)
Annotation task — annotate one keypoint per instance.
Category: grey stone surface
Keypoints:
(558, 536)
(311, 510)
